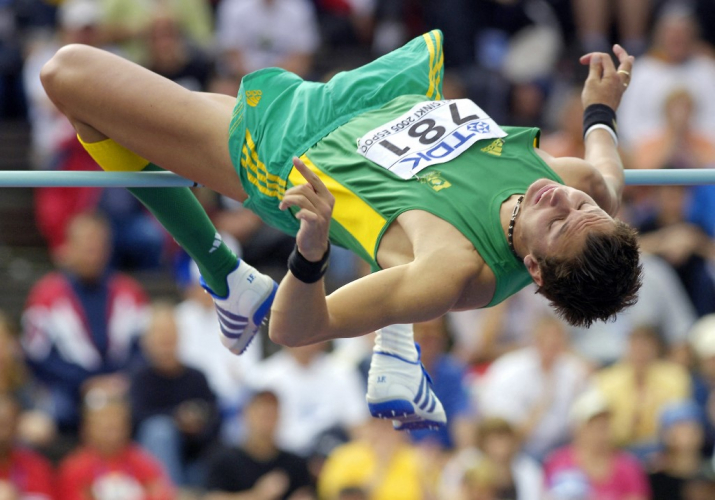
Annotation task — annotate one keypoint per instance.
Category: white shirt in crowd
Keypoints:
(313, 398)
(515, 384)
(266, 32)
(527, 473)
(641, 112)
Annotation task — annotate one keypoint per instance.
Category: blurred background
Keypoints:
(114, 384)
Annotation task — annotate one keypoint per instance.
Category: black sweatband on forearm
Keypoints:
(305, 270)
(598, 116)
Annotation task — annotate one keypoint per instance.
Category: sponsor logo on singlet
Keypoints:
(253, 97)
(494, 148)
(435, 181)
(430, 133)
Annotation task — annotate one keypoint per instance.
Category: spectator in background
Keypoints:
(447, 383)
(479, 482)
(280, 33)
(533, 388)
(639, 387)
(678, 144)
(526, 104)
(680, 460)
(593, 19)
(482, 335)
(346, 22)
(317, 394)
(127, 22)
(81, 324)
(174, 409)
(702, 339)
(108, 465)
(673, 62)
(687, 247)
(516, 476)
(567, 140)
(259, 468)
(23, 473)
(381, 462)
(592, 467)
(171, 56)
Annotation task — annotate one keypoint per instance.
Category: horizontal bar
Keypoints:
(674, 177)
(27, 179)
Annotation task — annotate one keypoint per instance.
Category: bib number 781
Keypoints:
(431, 132)
(427, 132)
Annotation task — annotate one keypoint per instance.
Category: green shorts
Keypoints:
(278, 115)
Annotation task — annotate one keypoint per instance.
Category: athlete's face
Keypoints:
(556, 219)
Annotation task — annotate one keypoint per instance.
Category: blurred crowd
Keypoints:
(109, 393)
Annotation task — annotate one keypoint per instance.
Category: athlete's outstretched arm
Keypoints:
(419, 291)
(605, 85)
(301, 314)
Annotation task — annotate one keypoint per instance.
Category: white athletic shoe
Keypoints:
(250, 296)
(399, 390)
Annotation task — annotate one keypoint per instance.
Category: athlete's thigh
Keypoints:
(183, 131)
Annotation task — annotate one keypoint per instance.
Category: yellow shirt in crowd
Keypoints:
(636, 410)
(355, 465)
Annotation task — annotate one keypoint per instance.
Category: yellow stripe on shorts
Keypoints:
(436, 62)
(257, 174)
(350, 211)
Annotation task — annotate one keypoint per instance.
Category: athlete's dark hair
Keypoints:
(600, 281)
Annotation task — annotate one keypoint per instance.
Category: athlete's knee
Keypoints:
(285, 338)
(64, 67)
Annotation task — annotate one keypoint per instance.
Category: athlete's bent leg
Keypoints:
(99, 110)
(150, 115)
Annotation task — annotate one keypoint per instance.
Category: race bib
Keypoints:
(430, 133)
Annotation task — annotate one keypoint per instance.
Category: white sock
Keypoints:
(398, 340)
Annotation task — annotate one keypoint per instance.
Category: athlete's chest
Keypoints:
(418, 234)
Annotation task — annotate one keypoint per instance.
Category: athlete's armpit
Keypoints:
(582, 175)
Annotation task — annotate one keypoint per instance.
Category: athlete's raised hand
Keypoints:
(606, 84)
(316, 208)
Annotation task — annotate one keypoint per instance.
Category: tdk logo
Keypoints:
(446, 147)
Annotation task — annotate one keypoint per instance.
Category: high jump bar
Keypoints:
(32, 179)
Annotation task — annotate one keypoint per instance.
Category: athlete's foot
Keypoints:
(240, 314)
(399, 390)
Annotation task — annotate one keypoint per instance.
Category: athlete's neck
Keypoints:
(505, 212)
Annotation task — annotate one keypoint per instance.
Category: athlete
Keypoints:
(452, 210)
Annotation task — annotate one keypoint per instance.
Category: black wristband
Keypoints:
(599, 114)
(305, 270)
